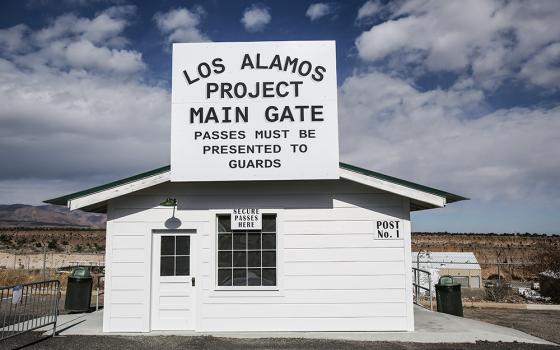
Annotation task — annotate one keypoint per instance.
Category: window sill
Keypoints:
(234, 292)
(246, 288)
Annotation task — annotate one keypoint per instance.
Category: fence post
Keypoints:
(44, 262)
(430, 292)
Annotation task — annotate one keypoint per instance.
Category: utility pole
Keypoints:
(44, 262)
(498, 263)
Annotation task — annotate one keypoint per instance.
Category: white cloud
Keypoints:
(74, 107)
(544, 68)
(318, 10)
(105, 26)
(433, 137)
(55, 124)
(71, 42)
(85, 54)
(181, 25)
(369, 9)
(494, 38)
(12, 39)
(255, 18)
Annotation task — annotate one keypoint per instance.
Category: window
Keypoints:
(463, 280)
(247, 258)
(175, 256)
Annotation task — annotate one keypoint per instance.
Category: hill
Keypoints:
(22, 215)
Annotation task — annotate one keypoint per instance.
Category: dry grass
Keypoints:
(11, 277)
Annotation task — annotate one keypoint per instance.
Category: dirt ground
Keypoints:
(32, 341)
(540, 323)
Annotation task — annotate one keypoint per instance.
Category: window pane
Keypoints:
(239, 277)
(254, 240)
(239, 259)
(166, 266)
(269, 241)
(167, 245)
(224, 223)
(224, 259)
(239, 240)
(183, 245)
(224, 241)
(182, 266)
(254, 259)
(269, 223)
(269, 259)
(254, 277)
(269, 277)
(224, 277)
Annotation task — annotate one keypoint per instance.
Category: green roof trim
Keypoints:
(450, 197)
(63, 200)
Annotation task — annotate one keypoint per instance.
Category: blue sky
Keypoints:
(462, 96)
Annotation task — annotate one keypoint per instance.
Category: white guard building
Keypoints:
(319, 262)
(255, 225)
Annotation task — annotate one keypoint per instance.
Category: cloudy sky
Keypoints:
(459, 95)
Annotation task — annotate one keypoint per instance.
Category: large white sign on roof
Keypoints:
(254, 111)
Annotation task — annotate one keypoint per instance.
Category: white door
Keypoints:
(173, 280)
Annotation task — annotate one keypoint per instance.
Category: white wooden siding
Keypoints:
(332, 274)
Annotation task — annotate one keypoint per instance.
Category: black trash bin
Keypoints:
(78, 291)
(448, 296)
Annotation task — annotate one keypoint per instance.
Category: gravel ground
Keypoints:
(540, 323)
(33, 341)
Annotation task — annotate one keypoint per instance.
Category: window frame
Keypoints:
(247, 290)
(175, 255)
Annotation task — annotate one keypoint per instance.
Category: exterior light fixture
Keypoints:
(170, 202)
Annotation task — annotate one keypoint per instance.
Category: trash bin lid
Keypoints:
(446, 281)
(80, 272)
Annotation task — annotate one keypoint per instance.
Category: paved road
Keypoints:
(33, 341)
(540, 323)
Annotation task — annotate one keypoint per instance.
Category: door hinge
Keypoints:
(192, 281)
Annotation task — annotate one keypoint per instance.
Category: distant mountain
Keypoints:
(22, 215)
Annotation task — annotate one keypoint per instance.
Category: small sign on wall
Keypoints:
(246, 219)
(387, 229)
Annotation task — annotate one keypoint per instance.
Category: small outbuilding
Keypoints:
(463, 266)
(331, 255)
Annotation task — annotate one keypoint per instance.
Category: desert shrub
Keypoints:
(549, 260)
(4, 238)
(499, 293)
(20, 242)
(53, 244)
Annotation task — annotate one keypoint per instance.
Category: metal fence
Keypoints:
(27, 307)
(420, 289)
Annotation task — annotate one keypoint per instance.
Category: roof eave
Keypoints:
(95, 199)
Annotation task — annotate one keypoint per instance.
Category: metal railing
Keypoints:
(418, 285)
(27, 307)
(99, 290)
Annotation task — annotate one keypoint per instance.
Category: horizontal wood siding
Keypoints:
(333, 274)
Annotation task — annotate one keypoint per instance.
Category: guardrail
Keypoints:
(418, 286)
(27, 307)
